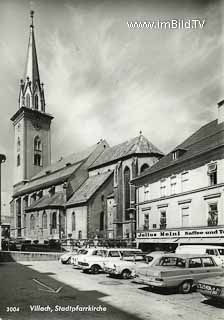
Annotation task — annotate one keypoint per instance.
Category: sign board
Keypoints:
(182, 233)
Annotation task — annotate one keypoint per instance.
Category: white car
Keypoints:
(67, 257)
(84, 252)
(95, 263)
(129, 266)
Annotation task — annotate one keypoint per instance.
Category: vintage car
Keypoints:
(95, 263)
(84, 252)
(66, 257)
(212, 288)
(180, 271)
(128, 266)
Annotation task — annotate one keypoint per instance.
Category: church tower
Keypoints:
(32, 140)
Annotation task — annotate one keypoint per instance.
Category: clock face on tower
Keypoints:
(36, 125)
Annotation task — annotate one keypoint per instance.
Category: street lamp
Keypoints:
(2, 160)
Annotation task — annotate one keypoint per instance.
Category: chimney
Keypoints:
(221, 111)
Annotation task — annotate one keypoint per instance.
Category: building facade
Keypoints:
(181, 198)
(86, 195)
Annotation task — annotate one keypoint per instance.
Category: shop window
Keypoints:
(212, 173)
(163, 220)
(73, 221)
(213, 214)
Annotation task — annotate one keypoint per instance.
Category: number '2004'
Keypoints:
(12, 309)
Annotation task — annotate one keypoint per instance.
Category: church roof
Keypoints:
(137, 145)
(48, 202)
(57, 172)
(207, 138)
(88, 189)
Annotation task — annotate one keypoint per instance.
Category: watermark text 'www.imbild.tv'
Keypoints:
(167, 24)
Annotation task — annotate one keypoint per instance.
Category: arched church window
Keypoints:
(54, 220)
(44, 220)
(28, 100)
(18, 144)
(32, 222)
(36, 102)
(144, 167)
(127, 178)
(101, 221)
(73, 221)
(80, 234)
(18, 160)
(37, 151)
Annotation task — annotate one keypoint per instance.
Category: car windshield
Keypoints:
(172, 262)
(83, 251)
(221, 252)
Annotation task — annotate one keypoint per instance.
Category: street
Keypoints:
(50, 290)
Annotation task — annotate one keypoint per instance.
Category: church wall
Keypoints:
(80, 222)
(97, 205)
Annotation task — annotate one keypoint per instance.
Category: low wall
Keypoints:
(10, 256)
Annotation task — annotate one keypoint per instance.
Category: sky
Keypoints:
(104, 80)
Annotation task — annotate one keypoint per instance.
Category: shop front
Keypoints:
(169, 239)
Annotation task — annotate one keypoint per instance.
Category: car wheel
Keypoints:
(185, 287)
(95, 269)
(126, 274)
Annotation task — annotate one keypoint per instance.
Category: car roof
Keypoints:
(186, 255)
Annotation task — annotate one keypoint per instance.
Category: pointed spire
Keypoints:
(32, 85)
(31, 69)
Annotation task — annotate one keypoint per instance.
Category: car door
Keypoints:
(210, 267)
(196, 268)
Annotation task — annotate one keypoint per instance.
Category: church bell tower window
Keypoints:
(28, 100)
(37, 151)
(18, 160)
(36, 102)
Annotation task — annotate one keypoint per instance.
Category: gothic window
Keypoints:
(44, 220)
(37, 151)
(36, 102)
(101, 221)
(54, 220)
(18, 144)
(28, 100)
(73, 221)
(18, 160)
(80, 234)
(127, 177)
(32, 222)
(144, 167)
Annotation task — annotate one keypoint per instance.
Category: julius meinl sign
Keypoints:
(183, 233)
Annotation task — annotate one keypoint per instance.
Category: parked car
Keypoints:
(84, 252)
(66, 257)
(217, 252)
(128, 266)
(95, 263)
(212, 288)
(180, 271)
